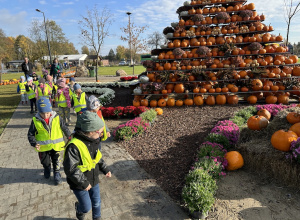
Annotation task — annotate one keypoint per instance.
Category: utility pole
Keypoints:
(129, 26)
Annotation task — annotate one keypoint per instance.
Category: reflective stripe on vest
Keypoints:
(49, 87)
(40, 93)
(30, 93)
(22, 87)
(104, 131)
(87, 162)
(47, 141)
(61, 101)
(78, 105)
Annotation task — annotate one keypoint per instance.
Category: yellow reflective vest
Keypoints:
(36, 82)
(22, 87)
(87, 162)
(30, 93)
(41, 94)
(78, 105)
(48, 140)
(61, 100)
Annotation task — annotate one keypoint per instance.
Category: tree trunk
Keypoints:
(96, 72)
(288, 32)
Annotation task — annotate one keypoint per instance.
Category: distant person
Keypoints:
(21, 90)
(31, 91)
(27, 67)
(55, 70)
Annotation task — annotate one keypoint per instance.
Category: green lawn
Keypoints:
(103, 70)
(9, 99)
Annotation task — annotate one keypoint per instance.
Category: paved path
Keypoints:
(25, 194)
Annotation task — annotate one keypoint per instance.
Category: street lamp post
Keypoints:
(46, 33)
(129, 29)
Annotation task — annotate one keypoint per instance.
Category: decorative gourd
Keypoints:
(144, 79)
(159, 111)
(265, 113)
(153, 103)
(295, 128)
(282, 140)
(235, 160)
(179, 88)
(198, 100)
(293, 117)
(257, 122)
(171, 102)
(144, 102)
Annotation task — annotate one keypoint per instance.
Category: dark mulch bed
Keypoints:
(167, 150)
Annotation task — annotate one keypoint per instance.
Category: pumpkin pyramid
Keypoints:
(219, 52)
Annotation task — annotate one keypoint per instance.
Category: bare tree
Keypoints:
(155, 39)
(94, 29)
(291, 10)
(138, 44)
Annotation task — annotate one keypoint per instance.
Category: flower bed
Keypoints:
(135, 126)
(109, 84)
(128, 78)
(122, 112)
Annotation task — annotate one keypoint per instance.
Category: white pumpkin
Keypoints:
(144, 79)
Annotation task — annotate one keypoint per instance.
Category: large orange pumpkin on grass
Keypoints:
(235, 160)
(257, 122)
(281, 140)
(265, 113)
(293, 117)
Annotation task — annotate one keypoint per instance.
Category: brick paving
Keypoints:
(25, 194)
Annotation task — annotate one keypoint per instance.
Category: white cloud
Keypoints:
(67, 3)
(13, 24)
(43, 2)
(67, 12)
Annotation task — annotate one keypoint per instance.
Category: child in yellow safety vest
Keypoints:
(21, 89)
(78, 99)
(30, 90)
(42, 90)
(63, 100)
(35, 79)
(52, 87)
(45, 134)
(83, 163)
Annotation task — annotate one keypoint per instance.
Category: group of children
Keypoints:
(82, 156)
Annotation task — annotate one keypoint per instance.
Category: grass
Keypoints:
(103, 70)
(9, 99)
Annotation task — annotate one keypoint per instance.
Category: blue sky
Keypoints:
(16, 16)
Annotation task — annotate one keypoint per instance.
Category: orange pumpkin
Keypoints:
(232, 100)
(179, 102)
(188, 102)
(235, 160)
(295, 128)
(265, 113)
(221, 99)
(293, 117)
(256, 85)
(284, 99)
(198, 100)
(144, 102)
(136, 103)
(171, 102)
(252, 99)
(271, 99)
(179, 88)
(162, 103)
(282, 140)
(159, 111)
(153, 103)
(210, 100)
(257, 122)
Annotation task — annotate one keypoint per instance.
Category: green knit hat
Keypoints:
(89, 121)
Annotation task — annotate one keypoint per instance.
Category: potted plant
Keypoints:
(156, 87)
(146, 88)
(178, 52)
(222, 17)
(197, 19)
(149, 64)
(254, 47)
(246, 14)
(203, 51)
(198, 193)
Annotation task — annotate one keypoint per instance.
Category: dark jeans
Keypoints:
(33, 101)
(48, 156)
(89, 199)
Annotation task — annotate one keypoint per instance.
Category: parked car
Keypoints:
(123, 63)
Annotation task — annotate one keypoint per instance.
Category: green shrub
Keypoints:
(219, 139)
(208, 149)
(241, 117)
(213, 167)
(149, 116)
(198, 192)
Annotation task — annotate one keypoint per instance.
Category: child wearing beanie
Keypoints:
(42, 90)
(31, 91)
(52, 87)
(35, 79)
(63, 100)
(79, 99)
(72, 83)
(83, 163)
(22, 90)
(45, 134)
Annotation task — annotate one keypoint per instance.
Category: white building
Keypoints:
(77, 58)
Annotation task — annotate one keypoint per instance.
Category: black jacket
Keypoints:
(33, 87)
(75, 178)
(25, 70)
(32, 129)
(55, 70)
